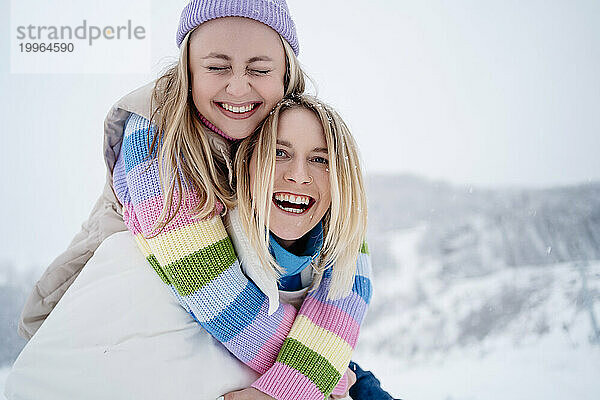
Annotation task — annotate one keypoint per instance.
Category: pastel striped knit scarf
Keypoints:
(301, 355)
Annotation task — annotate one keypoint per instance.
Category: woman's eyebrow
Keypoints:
(284, 143)
(315, 150)
(217, 55)
(259, 58)
(227, 58)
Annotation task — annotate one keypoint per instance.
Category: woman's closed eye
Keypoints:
(259, 72)
(217, 69)
(254, 71)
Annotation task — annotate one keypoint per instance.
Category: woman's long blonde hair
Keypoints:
(191, 157)
(344, 224)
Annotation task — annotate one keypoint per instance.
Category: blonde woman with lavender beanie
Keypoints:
(168, 148)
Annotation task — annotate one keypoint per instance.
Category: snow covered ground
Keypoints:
(548, 369)
(511, 333)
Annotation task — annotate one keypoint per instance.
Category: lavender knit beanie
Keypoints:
(273, 13)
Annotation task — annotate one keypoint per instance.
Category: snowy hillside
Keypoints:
(484, 294)
(468, 227)
(519, 333)
(479, 294)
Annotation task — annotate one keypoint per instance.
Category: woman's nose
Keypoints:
(298, 173)
(238, 86)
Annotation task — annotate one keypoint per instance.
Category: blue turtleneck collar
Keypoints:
(292, 263)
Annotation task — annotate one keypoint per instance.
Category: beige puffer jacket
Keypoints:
(104, 220)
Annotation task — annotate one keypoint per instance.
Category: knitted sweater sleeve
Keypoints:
(299, 354)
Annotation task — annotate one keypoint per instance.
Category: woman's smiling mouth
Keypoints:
(238, 111)
(293, 203)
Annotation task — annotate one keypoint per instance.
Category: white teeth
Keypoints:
(299, 200)
(305, 200)
(238, 110)
(293, 210)
(290, 198)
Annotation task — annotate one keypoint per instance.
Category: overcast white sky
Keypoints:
(487, 93)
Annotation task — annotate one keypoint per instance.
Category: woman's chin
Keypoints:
(237, 129)
(235, 132)
(286, 234)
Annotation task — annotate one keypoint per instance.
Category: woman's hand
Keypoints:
(351, 381)
(246, 394)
